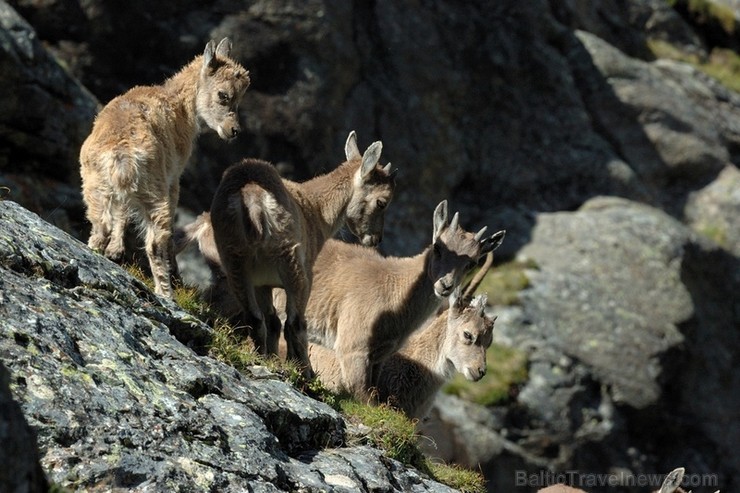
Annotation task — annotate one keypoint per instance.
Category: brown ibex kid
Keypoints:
(140, 143)
(365, 306)
(268, 232)
(456, 340)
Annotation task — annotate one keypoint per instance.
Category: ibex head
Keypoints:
(455, 251)
(468, 335)
(221, 86)
(373, 190)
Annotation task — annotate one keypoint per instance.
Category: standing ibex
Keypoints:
(365, 306)
(268, 232)
(456, 340)
(140, 143)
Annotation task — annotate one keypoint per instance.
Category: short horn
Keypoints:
(455, 220)
(479, 234)
(387, 168)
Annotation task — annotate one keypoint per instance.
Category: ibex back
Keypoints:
(140, 143)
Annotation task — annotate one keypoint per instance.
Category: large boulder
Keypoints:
(630, 323)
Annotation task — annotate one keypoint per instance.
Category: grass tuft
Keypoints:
(460, 478)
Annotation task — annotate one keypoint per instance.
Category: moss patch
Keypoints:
(503, 282)
(507, 371)
(464, 480)
(394, 433)
(722, 64)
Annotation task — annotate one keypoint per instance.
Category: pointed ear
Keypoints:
(672, 481)
(223, 49)
(208, 54)
(492, 242)
(371, 158)
(350, 147)
(440, 220)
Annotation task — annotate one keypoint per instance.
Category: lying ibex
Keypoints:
(268, 232)
(132, 160)
(364, 306)
(456, 340)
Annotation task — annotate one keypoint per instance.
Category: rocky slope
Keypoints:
(113, 382)
(614, 171)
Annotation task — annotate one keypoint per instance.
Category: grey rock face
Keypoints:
(115, 383)
(629, 322)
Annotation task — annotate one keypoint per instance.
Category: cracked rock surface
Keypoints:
(116, 383)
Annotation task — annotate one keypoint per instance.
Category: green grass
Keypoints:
(705, 11)
(460, 478)
(390, 430)
(503, 282)
(393, 432)
(506, 371)
(723, 64)
(716, 233)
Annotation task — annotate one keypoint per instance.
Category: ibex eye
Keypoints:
(381, 204)
(223, 97)
(468, 336)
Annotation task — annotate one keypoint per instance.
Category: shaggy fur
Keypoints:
(140, 143)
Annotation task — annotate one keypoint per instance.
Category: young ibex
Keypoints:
(364, 306)
(456, 340)
(140, 143)
(268, 232)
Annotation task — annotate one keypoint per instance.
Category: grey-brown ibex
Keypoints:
(456, 340)
(268, 232)
(140, 143)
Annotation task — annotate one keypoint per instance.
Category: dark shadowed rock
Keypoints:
(21, 470)
(113, 380)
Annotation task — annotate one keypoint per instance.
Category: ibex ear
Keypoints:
(223, 49)
(672, 481)
(371, 158)
(492, 242)
(208, 54)
(440, 220)
(350, 147)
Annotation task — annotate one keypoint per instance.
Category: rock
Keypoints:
(629, 323)
(116, 384)
(714, 211)
(45, 114)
